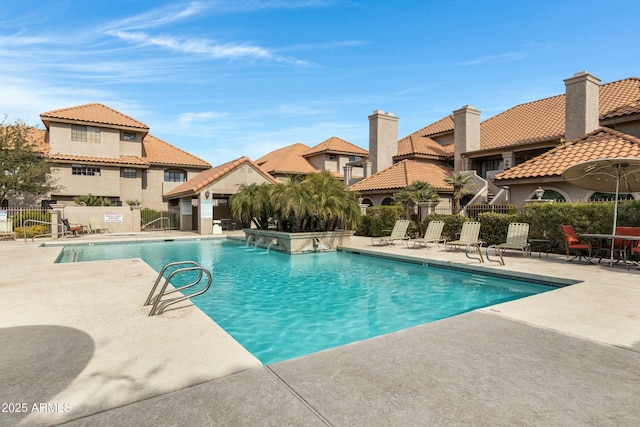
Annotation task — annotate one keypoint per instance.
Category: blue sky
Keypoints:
(223, 79)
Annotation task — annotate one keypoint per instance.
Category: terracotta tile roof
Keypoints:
(208, 177)
(443, 125)
(543, 120)
(287, 160)
(38, 137)
(415, 144)
(122, 160)
(599, 144)
(93, 113)
(404, 173)
(157, 151)
(336, 145)
(34, 137)
(625, 110)
(420, 143)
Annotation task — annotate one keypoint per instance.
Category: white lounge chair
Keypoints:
(517, 238)
(469, 236)
(399, 232)
(433, 234)
(95, 227)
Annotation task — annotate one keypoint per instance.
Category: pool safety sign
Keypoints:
(113, 217)
(206, 209)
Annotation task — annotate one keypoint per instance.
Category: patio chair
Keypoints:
(517, 238)
(469, 236)
(74, 230)
(572, 243)
(635, 251)
(433, 234)
(399, 232)
(95, 227)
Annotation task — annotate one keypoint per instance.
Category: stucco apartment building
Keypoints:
(333, 155)
(94, 149)
(512, 153)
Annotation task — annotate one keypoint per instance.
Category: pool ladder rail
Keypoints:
(155, 298)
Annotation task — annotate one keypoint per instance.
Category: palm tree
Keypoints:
(290, 204)
(330, 205)
(462, 185)
(318, 202)
(414, 193)
(252, 204)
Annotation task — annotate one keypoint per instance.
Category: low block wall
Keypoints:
(297, 243)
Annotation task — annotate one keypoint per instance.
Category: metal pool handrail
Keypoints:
(155, 299)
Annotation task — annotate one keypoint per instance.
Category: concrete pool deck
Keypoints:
(76, 338)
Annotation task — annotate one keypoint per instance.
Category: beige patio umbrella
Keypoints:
(613, 175)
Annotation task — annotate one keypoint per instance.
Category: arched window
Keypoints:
(609, 197)
(387, 201)
(553, 195)
(367, 202)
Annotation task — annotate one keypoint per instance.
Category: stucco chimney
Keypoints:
(581, 105)
(383, 140)
(466, 134)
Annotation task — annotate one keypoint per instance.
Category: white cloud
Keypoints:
(195, 45)
(156, 17)
(502, 57)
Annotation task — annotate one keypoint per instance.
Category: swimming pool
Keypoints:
(280, 306)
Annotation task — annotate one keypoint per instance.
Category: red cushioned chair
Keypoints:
(582, 250)
(74, 229)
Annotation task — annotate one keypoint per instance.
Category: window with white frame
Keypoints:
(83, 133)
(85, 170)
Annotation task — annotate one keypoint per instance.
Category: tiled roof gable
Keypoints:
(421, 143)
(160, 152)
(206, 178)
(336, 145)
(625, 110)
(93, 113)
(543, 120)
(443, 125)
(416, 144)
(287, 160)
(404, 173)
(599, 144)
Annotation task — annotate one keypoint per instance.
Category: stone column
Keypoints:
(135, 218)
(383, 139)
(582, 101)
(57, 213)
(466, 135)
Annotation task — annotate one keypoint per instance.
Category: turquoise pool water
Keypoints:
(280, 306)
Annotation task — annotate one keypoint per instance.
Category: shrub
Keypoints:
(452, 224)
(33, 230)
(20, 218)
(380, 218)
(91, 200)
(493, 230)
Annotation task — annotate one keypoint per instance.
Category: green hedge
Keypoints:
(544, 221)
(379, 218)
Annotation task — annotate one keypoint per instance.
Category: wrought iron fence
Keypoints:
(151, 219)
(472, 211)
(17, 216)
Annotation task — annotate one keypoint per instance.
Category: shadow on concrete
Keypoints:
(36, 363)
